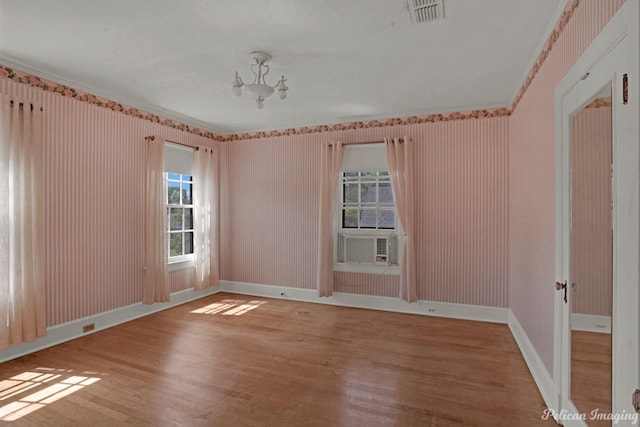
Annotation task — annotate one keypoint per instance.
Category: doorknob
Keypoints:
(560, 287)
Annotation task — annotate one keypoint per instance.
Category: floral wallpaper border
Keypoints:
(599, 103)
(432, 118)
(544, 53)
(47, 85)
(27, 79)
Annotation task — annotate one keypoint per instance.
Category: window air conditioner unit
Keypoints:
(357, 249)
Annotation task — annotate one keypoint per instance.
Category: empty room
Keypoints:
(334, 213)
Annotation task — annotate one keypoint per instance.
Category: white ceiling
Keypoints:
(345, 60)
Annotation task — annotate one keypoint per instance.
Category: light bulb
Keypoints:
(237, 85)
(282, 88)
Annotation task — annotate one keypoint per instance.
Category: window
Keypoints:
(367, 201)
(178, 164)
(367, 235)
(180, 212)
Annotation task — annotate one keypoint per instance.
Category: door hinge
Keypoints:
(562, 286)
(635, 400)
(625, 88)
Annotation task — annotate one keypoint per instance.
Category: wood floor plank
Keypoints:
(591, 375)
(233, 360)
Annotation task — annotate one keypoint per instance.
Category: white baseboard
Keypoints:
(429, 308)
(536, 366)
(71, 330)
(591, 323)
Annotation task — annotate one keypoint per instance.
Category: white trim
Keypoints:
(590, 323)
(535, 364)
(613, 52)
(68, 331)
(427, 308)
(182, 264)
(387, 270)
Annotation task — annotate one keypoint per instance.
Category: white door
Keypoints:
(610, 65)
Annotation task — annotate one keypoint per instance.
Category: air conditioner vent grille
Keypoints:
(426, 10)
(381, 246)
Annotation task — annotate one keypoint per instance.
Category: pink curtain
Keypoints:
(400, 163)
(330, 167)
(22, 283)
(207, 231)
(156, 247)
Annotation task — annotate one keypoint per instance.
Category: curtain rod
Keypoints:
(362, 142)
(365, 142)
(22, 104)
(173, 142)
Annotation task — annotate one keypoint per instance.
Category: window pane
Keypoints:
(187, 178)
(188, 243)
(386, 194)
(188, 219)
(175, 219)
(173, 176)
(175, 244)
(350, 193)
(173, 193)
(186, 194)
(368, 200)
(386, 218)
(368, 193)
(368, 218)
(350, 218)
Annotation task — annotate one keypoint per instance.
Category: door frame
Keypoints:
(612, 54)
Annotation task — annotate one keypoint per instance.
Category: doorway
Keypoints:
(592, 257)
(596, 354)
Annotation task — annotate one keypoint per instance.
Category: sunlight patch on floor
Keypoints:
(229, 307)
(29, 391)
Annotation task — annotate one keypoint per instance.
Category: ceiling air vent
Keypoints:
(426, 10)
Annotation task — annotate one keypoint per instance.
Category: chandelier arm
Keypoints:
(239, 79)
(265, 73)
(282, 80)
(253, 70)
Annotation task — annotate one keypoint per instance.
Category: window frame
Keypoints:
(397, 232)
(184, 260)
(381, 177)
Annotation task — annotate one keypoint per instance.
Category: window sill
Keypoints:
(181, 264)
(389, 270)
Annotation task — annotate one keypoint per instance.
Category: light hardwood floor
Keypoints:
(591, 374)
(232, 360)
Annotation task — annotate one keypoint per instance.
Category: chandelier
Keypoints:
(259, 89)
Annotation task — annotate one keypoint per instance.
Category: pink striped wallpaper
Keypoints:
(485, 192)
(532, 179)
(367, 284)
(93, 164)
(591, 222)
(269, 226)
